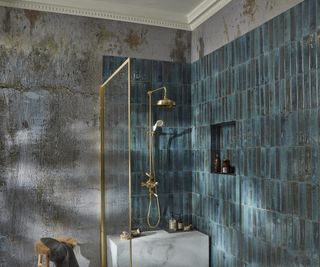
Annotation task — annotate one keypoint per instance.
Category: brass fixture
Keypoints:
(165, 102)
(151, 184)
(187, 227)
(103, 233)
(159, 123)
(125, 236)
(136, 233)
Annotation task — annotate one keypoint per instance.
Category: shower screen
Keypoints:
(115, 168)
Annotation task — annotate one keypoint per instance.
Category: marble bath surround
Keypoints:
(160, 249)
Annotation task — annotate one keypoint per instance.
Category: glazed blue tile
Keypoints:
(312, 15)
(305, 17)
(287, 61)
(287, 27)
(298, 21)
(294, 24)
(312, 51)
(274, 99)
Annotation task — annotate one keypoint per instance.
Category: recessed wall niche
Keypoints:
(223, 144)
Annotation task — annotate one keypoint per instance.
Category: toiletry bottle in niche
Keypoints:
(217, 164)
(226, 166)
(180, 224)
(172, 224)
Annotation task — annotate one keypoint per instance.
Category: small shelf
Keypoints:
(223, 143)
(221, 173)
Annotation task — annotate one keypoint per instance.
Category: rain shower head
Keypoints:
(166, 103)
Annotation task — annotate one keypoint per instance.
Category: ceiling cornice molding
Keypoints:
(204, 11)
(188, 22)
(103, 14)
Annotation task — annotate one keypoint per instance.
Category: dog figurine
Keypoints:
(61, 254)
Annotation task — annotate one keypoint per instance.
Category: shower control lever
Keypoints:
(150, 183)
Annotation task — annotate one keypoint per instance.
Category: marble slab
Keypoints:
(160, 249)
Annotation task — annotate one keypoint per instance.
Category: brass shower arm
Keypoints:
(158, 89)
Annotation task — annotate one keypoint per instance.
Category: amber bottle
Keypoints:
(217, 164)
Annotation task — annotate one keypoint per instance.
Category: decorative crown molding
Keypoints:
(98, 9)
(204, 11)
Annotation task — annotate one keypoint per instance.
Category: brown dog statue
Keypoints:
(61, 254)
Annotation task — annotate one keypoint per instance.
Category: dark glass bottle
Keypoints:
(226, 166)
(217, 164)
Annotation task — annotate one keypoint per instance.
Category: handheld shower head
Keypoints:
(159, 123)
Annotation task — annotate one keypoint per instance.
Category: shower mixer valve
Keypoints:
(150, 184)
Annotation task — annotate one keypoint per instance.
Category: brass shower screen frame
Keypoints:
(103, 87)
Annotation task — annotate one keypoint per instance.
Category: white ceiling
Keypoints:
(179, 14)
(177, 6)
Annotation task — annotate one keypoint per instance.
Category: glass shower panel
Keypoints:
(116, 167)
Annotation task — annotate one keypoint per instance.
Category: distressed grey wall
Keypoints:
(50, 69)
(234, 20)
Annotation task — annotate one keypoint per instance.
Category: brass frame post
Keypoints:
(103, 246)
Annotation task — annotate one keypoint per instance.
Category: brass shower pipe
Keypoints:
(151, 183)
(162, 102)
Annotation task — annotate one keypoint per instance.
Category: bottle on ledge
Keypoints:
(217, 164)
(226, 166)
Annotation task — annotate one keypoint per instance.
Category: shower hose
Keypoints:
(153, 192)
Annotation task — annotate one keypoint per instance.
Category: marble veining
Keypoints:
(160, 249)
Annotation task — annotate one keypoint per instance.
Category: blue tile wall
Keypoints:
(116, 155)
(267, 81)
(173, 142)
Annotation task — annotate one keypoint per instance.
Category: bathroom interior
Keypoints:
(161, 133)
